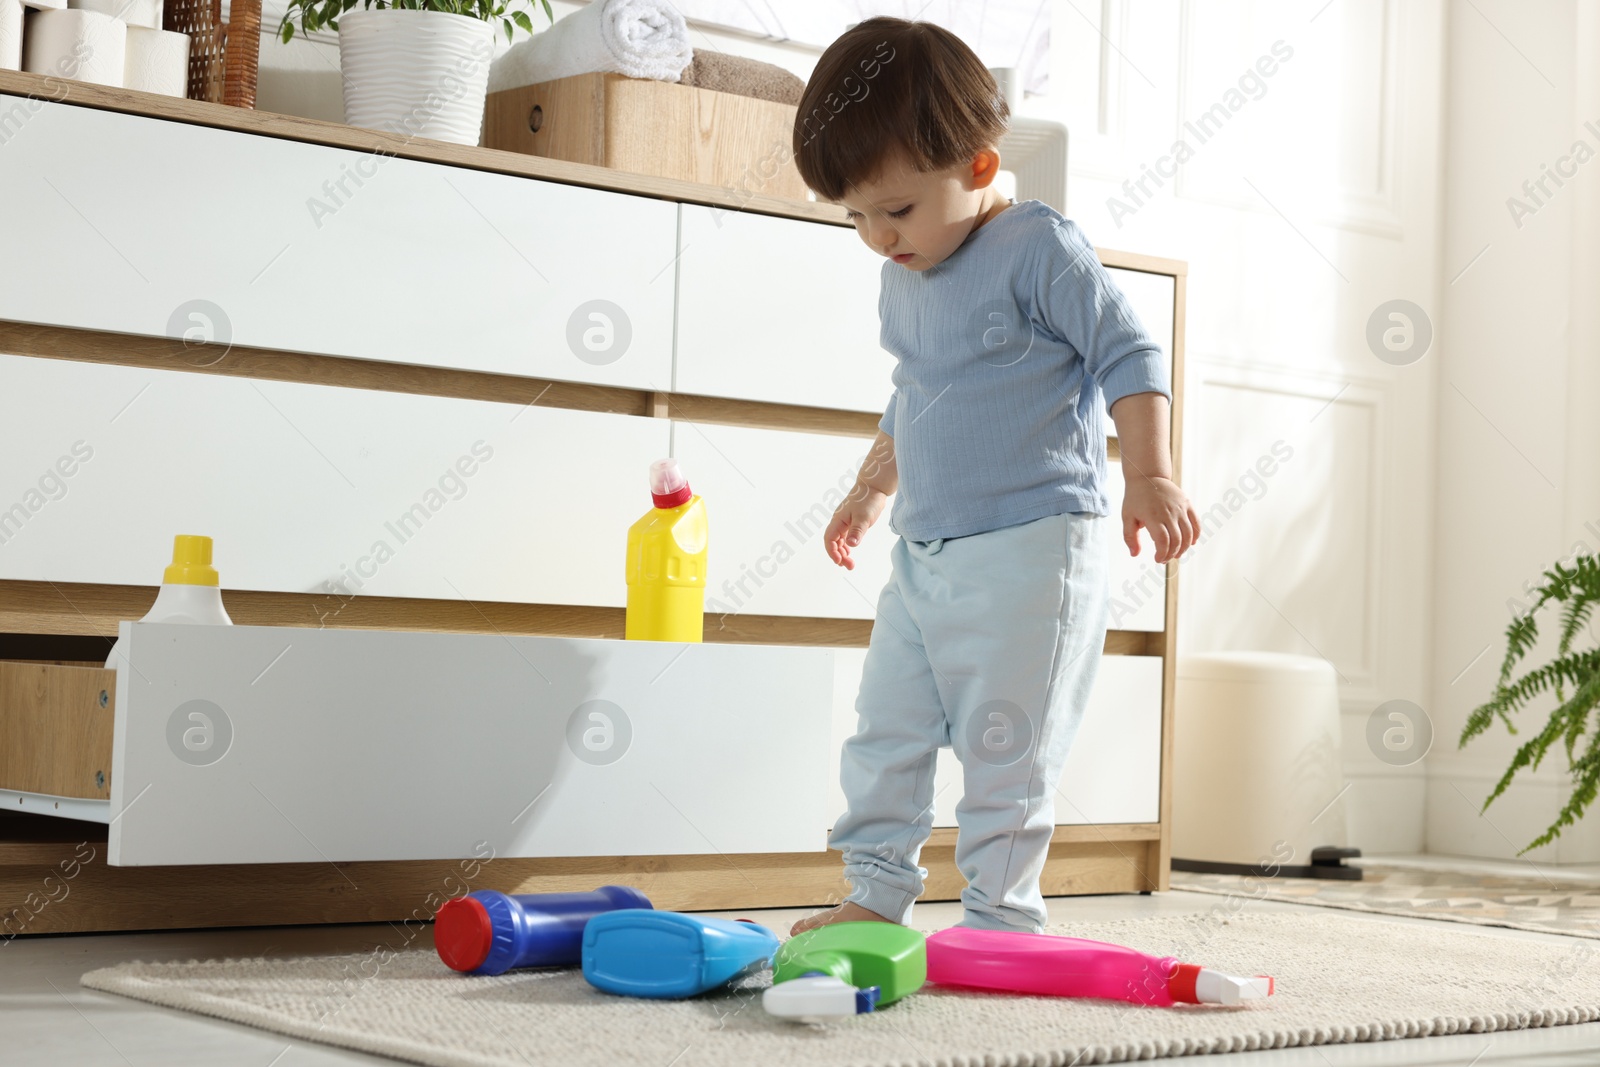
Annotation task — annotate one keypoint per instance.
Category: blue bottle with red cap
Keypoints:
(488, 932)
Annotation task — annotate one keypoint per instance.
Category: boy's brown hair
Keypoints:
(887, 86)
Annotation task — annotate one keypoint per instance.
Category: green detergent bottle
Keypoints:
(845, 969)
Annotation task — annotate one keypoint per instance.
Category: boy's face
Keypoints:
(918, 219)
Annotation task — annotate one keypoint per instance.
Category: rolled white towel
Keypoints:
(639, 38)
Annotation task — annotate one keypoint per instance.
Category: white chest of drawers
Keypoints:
(470, 361)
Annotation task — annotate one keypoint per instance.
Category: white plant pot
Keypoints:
(415, 73)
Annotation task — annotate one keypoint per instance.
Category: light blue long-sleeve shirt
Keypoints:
(1003, 353)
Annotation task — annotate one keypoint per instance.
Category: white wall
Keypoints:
(1519, 460)
(1314, 202)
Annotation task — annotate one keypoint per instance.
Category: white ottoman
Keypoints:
(1256, 766)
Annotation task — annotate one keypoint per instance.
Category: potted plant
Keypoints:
(1577, 588)
(419, 68)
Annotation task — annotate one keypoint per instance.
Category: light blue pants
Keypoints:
(989, 644)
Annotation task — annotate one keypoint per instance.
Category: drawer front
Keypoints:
(314, 489)
(780, 310)
(1138, 584)
(287, 245)
(260, 744)
(1112, 774)
(770, 494)
(1153, 297)
(769, 497)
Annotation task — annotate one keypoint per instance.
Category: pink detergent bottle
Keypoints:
(1010, 961)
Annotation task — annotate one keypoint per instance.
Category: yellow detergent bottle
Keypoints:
(667, 562)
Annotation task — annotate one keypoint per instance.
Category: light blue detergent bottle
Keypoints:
(666, 954)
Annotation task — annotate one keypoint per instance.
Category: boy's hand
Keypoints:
(852, 520)
(1158, 505)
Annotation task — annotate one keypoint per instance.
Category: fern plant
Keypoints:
(1577, 589)
(316, 15)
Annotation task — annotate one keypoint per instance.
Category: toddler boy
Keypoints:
(1008, 337)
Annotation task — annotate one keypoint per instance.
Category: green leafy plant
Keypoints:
(1577, 589)
(316, 15)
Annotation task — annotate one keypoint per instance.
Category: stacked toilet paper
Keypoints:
(10, 34)
(157, 61)
(145, 13)
(83, 45)
(109, 42)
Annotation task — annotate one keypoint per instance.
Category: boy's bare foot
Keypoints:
(847, 912)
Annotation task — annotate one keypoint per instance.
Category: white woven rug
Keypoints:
(1539, 899)
(1339, 978)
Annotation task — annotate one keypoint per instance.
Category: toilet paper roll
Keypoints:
(45, 5)
(10, 34)
(84, 45)
(157, 61)
(133, 12)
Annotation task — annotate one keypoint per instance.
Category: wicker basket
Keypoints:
(223, 56)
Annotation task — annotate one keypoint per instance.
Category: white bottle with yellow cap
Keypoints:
(189, 590)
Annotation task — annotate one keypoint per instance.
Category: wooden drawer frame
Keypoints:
(53, 874)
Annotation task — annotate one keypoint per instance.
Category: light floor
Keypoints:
(47, 1018)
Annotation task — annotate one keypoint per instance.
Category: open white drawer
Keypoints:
(258, 744)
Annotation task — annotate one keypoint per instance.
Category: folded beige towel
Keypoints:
(743, 77)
